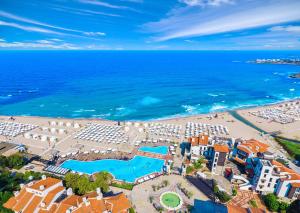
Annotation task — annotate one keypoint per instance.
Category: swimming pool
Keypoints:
(123, 170)
(163, 150)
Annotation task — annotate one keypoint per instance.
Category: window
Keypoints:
(267, 171)
(270, 179)
(265, 175)
(269, 184)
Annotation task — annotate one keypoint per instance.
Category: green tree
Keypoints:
(103, 180)
(271, 202)
(15, 161)
(34, 175)
(71, 181)
(84, 185)
(283, 206)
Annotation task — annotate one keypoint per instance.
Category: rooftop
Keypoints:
(46, 183)
(200, 140)
(27, 202)
(253, 146)
(221, 148)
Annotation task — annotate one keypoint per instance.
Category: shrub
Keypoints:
(234, 191)
(253, 203)
(151, 198)
(189, 194)
(15, 161)
(271, 202)
(131, 210)
(283, 206)
(127, 186)
(165, 182)
(189, 169)
(223, 196)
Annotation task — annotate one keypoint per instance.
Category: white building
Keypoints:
(271, 176)
(220, 153)
(199, 146)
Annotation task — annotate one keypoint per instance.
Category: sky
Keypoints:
(150, 24)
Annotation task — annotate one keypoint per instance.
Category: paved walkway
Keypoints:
(243, 197)
(140, 193)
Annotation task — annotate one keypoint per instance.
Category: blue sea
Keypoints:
(140, 85)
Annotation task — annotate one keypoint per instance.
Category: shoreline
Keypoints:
(138, 131)
(166, 118)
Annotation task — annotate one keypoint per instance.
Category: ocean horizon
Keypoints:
(141, 85)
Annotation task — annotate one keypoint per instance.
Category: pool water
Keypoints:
(162, 150)
(128, 171)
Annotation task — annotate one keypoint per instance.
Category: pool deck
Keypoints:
(153, 155)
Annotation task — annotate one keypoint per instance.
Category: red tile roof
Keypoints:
(48, 182)
(33, 204)
(296, 185)
(291, 174)
(253, 146)
(221, 148)
(28, 202)
(49, 197)
(236, 209)
(200, 140)
(23, 202)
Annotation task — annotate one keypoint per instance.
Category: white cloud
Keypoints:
(28, 28)
(94, 33)
(83, 11)
(190, 41)
(289, 28)
(44, 42)
(37, 45)
(250, 14)
(103, 4)
(204, 3)
(38, 29)
(31, 21)
(56, 39)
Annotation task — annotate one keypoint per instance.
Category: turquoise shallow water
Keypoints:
(163, 150)
(128, 171)
(140, 85)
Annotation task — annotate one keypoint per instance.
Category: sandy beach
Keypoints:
(288, 130)
(136, 131)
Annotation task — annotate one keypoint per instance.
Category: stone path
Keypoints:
(243, 197)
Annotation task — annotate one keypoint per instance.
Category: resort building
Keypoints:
(271, 176)
(220, 153)
(48, 195)
(199, 146)
(248, 149)
(215, 149)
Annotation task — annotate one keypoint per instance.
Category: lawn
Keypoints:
(171, 200)
(292, 148)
